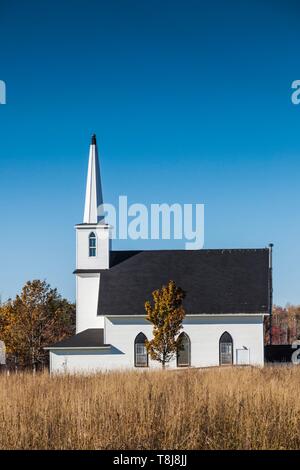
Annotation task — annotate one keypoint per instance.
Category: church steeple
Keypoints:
(93, 195)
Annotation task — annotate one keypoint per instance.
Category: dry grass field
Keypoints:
(228, 408)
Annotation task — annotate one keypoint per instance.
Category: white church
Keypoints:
(228, 294)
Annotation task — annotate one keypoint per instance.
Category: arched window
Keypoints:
(184, 351)
(140, 351)
(226, 349)
(92, 244)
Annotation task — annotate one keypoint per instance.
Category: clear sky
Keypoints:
(190, 102)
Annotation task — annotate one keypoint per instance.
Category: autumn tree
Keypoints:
(285, 324)
(36, 318)
(166, 314)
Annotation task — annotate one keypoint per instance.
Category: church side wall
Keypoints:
(204, 334)
(83, 361)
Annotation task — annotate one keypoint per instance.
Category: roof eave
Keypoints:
(48, 348)
(191, 315)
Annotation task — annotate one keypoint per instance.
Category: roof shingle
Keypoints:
(90, 338)
(215, 281)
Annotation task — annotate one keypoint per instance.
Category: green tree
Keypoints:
(166, 314)
(36, 318)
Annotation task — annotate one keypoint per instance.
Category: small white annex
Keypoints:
(228, 293)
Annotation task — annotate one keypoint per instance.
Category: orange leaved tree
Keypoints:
(37, 317)
(166, 314)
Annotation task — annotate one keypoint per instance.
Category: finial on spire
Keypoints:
(93, 142)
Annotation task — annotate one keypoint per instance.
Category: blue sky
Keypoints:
(190, 102)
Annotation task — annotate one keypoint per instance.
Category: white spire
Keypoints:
(93, 195)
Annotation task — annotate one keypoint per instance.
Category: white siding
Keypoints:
(87, 291)
(101, 260)
(80, 361)
(204, 333)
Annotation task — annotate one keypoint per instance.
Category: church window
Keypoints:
(140, 351)
(184, 351)
(226, 349)
(92, 244)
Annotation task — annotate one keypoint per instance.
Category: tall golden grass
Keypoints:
(222, 408)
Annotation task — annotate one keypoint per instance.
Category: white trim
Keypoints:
(76, 296)
(89, 226)
(78, 347)
(191, 315)
(89, 274)
(104, 330)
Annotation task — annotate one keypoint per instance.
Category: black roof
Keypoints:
(91, 338)
(215, 281)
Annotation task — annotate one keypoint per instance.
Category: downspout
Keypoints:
(271, 291)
